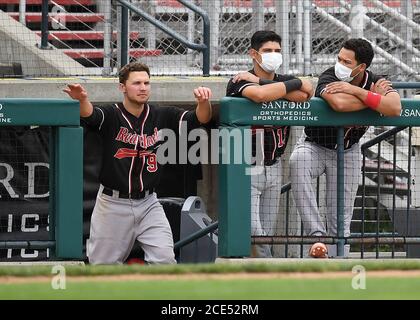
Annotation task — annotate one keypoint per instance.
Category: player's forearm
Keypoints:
(297, 96)
(265, 93)
(343, 102)
(204, 111)
(270, 90)
(86, 108)
(390, 105)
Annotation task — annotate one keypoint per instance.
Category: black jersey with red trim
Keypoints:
(129, 162)
(275, 137)
(327, 136)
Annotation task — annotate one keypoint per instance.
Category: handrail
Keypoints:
(332, 240)
(286, 187)
(196, 235)
(204, 47)
(381, 137)
(406, 85)
(30, 244)
(211, 227)
(397, 15)
(376, 48)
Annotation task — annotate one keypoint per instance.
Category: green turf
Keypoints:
(304, 265)
(376, 288)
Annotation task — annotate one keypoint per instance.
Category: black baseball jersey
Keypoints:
(129, 162)
(275, 137)
(327, 136)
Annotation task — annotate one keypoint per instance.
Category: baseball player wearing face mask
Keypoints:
(348, 86)
(126, 208)
(259, 85)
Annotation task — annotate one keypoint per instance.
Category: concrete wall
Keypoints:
(165, 90)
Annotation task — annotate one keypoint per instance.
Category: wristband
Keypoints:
(373, 100)
(262, 82)
(292, 85)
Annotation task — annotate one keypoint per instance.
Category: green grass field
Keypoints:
(267, 289)
(35, 282)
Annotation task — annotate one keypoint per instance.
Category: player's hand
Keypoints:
(307, 87)
(76, 91)
(202, 94)
(247, 76)
(339, 87)
(381, 86)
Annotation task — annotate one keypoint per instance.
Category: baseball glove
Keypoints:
(318, 250)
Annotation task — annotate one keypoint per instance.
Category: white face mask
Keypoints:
(344, 73)
(271, 61)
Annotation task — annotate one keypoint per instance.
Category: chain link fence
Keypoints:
(85, 39)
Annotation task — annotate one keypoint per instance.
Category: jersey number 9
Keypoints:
(151, 163)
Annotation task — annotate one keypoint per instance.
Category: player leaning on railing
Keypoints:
(348, 86)
(261, 84)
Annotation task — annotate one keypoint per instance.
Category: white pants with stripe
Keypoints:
(117, 223)
(307, 162)
(265, 197)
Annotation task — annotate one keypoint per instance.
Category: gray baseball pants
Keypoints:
(307, 162)
(117, 223)
(265, 197)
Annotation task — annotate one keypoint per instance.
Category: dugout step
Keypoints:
(370, 190)
(408, 228)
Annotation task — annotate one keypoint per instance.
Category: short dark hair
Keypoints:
(362, 48)
(132, 67)
(263, 36)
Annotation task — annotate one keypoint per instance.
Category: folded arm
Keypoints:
(277, 90)
(344, 97)
(343, 102)
(390, 104)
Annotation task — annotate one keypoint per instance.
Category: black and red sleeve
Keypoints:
(100, 117)
(328, 76)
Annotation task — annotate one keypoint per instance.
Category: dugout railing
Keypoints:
(65, 171)
(238, 115)
(202, 47)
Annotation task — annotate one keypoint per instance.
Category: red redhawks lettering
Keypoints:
(145, 141)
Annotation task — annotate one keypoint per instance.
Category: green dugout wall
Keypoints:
(66, 170)
(239, 114)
